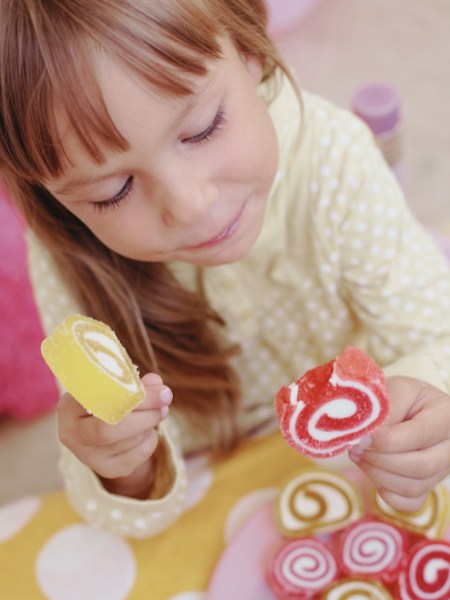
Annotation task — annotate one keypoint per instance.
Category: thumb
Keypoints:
(404, 394)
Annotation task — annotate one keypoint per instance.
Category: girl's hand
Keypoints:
(120, 454)
(410, 453)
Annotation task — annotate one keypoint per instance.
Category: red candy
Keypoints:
(331, 407)
(427, 572)
(372, 548)
(301, 569)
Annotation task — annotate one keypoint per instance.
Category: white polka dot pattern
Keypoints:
(78, 559)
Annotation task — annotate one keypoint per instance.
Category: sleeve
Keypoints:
(127, 516)
(384, 265)
(124, 516)
(53, 300)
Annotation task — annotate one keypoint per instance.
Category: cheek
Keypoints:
(126, 231)
(253, 149)
(265, 156)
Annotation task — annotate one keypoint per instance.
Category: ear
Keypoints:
(254, 67)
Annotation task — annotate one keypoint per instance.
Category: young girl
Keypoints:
(233, 231)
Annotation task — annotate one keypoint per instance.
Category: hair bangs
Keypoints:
(35, 129)
(49, 86)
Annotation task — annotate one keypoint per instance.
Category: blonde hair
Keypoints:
(45, 50)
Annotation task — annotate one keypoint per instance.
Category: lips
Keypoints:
(224, 234)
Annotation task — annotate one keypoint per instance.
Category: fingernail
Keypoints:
(164, 411)
(354, 456)
(356, 450)
(165, 395)
(365, 441)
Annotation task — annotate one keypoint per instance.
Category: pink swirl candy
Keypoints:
(301, 569)
(331, 407)
(427, 572)
(372, 548)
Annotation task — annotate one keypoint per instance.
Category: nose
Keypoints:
(187, 199)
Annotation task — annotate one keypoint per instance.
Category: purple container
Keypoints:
(379, 106)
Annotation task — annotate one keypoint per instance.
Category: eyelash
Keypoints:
(215, 126)
(117, 199)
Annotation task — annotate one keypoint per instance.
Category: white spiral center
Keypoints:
(105, 352)
(308, 567)
(338, 409)
(372, 548)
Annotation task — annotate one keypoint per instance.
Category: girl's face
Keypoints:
(194, 182)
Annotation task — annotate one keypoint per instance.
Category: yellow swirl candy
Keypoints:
(317, 500)
(431, 520)
(353, 588)
(92, 365)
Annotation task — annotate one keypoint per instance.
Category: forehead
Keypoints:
(117, 84)
(125, 99)
(135, 108)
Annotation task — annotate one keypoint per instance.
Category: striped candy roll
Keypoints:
(431, 520)
(317, 500)
(372, 548)
(427, 572)
(356, 588)
(301, 569)
(331, 407)
(90, 362)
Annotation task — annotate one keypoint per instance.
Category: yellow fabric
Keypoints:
(340, 261)
(179, 560)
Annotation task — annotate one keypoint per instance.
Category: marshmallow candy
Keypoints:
(301, 569)
(90, 362)
(332, 406)
(427, 572)
(317, 500)
(372, 548)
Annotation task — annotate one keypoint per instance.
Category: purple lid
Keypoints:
(378, 104)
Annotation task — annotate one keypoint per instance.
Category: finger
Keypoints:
(123, 446)
(408, 396)
(428, 427)
(403, 393)
(69, 408)
(425, 463)
(397, 483)
(70, 414)
(94, 432)
(152, 379)
(99, 456)
(121, 465)
(402, 503)
(157, 394)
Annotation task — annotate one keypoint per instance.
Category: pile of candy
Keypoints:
(340, 544)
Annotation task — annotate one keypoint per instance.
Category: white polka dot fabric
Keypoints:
(340, 261)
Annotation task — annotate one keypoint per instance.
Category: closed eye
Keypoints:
(207, 133)
(116, 200)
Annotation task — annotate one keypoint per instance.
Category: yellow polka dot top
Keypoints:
(340, 261)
